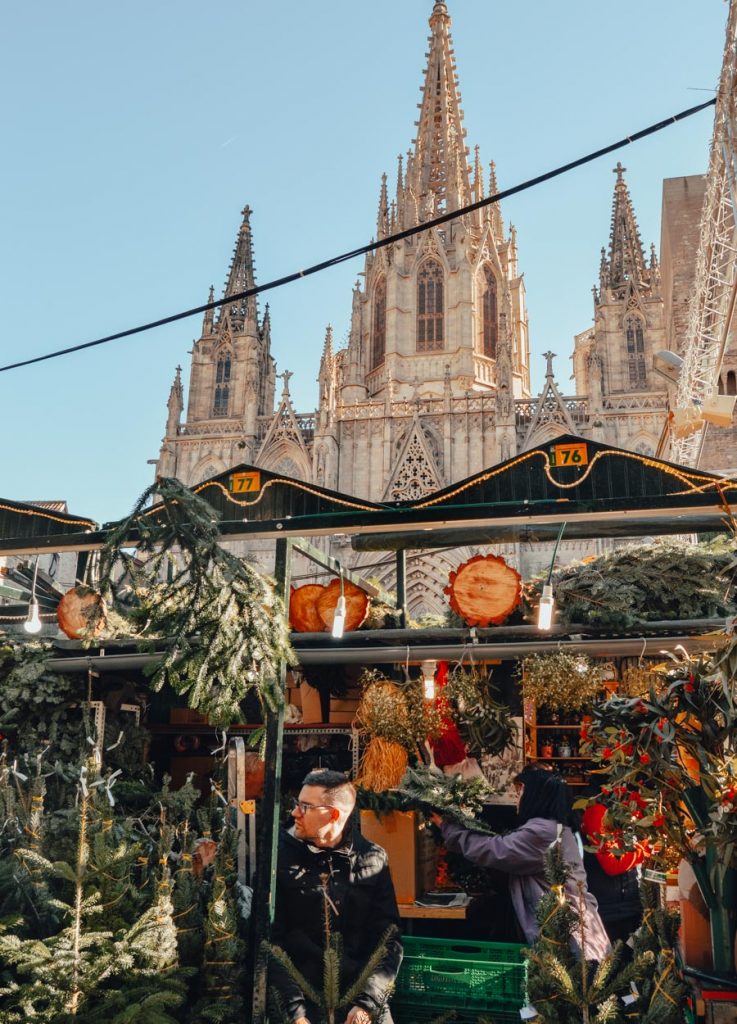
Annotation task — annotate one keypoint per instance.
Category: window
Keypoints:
(489, 319)
(636, 352)
(378, 339)
(222, 385)
(731, 383)
(430, 307)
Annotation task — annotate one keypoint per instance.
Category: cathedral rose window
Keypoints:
(430, 319)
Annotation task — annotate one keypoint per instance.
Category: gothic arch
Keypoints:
(430, 317)
(487, 306)
(546, 432)
(208, 466)
(633, 325)
(378, 325)
(430, 437)
(288, 459)
(221, 389)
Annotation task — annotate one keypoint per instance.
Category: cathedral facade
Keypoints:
(434, 383)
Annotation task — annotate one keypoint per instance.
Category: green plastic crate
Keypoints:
(403, 1013)
(440, 974)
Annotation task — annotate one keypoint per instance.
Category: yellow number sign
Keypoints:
(569, 454)
(245, 483)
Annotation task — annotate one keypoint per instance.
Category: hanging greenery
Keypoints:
(225, 629)
(484, 724)
(667, 579)
(560, 680)
(395, 720)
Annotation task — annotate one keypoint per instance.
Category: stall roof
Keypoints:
(21, 520)
(595, 489)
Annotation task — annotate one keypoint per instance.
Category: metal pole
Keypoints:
(402, 587)
(264, 892)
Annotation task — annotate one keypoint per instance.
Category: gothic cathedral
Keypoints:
(434, 384)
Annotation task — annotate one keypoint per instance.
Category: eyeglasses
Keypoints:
(304, 807)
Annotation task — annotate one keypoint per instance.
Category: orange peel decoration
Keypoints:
(81, 612)
(356, 604)
(303, 614)
(484, 591)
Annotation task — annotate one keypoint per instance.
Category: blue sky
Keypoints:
(135, 133)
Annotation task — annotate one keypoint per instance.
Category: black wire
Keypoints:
(372, 246)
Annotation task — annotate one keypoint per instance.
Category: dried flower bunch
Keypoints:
(560, 680)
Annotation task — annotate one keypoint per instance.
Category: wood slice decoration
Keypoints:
(81, 613)
(303, 614)
(356, 604)
(484, 590)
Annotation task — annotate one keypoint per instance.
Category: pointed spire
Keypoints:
(382, 220)
(478, 177)
(439, 176)
(496, 211)
(327, 350)
(175, 405)
(241, 276)
(399, 198)
(265, 331)
(626, 258)
(207, 320)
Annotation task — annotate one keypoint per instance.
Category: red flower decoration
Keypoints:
(607, 752)
(644, 759)
(658, 821)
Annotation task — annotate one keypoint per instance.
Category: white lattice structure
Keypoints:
(715, 284)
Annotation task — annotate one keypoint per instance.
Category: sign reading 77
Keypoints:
(245, 483)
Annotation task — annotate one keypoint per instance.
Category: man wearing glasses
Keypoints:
(327, 868)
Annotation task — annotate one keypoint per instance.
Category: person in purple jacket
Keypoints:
(544, 813)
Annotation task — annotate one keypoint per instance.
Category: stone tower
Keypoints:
(231, 384)
(613, 360)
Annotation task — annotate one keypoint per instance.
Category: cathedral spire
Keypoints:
(175, 405)
(382, 220)
(440, 176)
(626, 257)
(207, 320)
(241, 276)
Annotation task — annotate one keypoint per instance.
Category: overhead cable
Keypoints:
(371, 246)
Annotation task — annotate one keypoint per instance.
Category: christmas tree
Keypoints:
(563, 986)
(660, 988)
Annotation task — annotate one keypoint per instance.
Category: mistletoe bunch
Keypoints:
(560, 680)
(484, 724)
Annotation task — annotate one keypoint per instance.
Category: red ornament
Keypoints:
(644, 759)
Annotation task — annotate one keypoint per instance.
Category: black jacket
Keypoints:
(361, 906)
(618, 896)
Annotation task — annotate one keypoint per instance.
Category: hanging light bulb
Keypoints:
(33, 622)
(339, 617)
(545, 608)
(428, 679)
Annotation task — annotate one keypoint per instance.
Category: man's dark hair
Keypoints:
(338, 787)
(546, 795)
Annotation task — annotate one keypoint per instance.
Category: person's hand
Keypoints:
(436, 819)
(357, 1015)
(301, 1020)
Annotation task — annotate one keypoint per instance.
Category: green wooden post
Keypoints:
(402, 587)
(264, 892)
(718, 887)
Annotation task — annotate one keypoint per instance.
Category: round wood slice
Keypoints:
(484, 590)
(81, 612)
(303, 614)
(356, 604)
